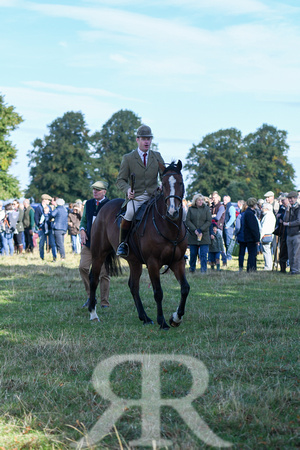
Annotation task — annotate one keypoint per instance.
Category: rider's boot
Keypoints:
(123, 249)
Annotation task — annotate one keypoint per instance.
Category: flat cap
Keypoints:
(99, 185)
(269, 194)
(46, 197)
(144, 131)
(292, 194)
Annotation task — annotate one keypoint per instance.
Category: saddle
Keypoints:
(141, 213)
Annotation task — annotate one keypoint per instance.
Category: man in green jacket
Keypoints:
(144, 164)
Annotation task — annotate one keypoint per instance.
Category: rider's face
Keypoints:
(144, 143)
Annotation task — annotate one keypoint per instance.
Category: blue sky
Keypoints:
(186, 67)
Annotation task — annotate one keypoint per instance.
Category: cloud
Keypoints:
(75, 90)
(118, 58)
(8, 3)
(233, 7)
(30, 103)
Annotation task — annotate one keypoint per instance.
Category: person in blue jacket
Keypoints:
(60, 225)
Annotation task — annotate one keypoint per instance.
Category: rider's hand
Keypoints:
(130, 194)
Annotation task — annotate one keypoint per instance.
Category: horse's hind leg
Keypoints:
(153, 271)
(134, 286)
(94, 280)
(179, 272)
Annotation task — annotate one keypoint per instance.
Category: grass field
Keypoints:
(243, 327)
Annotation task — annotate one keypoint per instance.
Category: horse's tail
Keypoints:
(112, 264)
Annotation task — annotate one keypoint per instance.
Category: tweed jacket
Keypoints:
(198, 218)
(292, 215)
(145, 177)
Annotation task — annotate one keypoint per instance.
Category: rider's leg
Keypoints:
(132, 207)
(124, 230)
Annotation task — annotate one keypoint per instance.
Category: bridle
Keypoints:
(176, 241)
(177, 197)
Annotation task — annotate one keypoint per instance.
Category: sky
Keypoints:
(187, 68)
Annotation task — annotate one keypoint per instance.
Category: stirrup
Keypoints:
(123, 250)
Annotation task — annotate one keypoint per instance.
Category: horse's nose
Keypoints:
(175, 214)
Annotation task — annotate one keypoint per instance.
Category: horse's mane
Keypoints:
(173, 166)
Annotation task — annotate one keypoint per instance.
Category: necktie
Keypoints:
(145, 160)
(97, 203)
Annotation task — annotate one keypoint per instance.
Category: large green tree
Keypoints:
(117, 137)
(266, 164)
(9, 121)
(214, 163)
(61, 162)
(241, 167)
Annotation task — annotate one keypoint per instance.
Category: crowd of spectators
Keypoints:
(25, 226)
(270, 226)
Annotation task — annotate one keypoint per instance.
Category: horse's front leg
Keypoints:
(136, 269)
(153, 270)
(179, 272)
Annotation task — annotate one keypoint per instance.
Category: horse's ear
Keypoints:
(179, 164)
(161, 167)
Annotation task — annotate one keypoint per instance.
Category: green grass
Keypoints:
(243, 327)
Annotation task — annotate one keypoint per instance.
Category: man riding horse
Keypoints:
(144, 164)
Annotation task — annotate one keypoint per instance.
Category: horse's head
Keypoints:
(173, 188)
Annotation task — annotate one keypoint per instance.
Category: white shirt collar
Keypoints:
(141, 153)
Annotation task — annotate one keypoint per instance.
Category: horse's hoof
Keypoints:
(94, 316)
(175, 320)
(174, 324)
(96, 319)
(164, 327)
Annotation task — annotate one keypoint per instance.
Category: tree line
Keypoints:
(70, 158)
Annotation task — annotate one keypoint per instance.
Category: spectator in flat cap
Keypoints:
(270, 198)
(144, 163)
(267, 227)
(91, 209)
(291, 221)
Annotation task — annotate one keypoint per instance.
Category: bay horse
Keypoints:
(159, 239)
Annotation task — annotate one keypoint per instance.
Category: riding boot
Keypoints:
(123, 249)
(218, 267)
